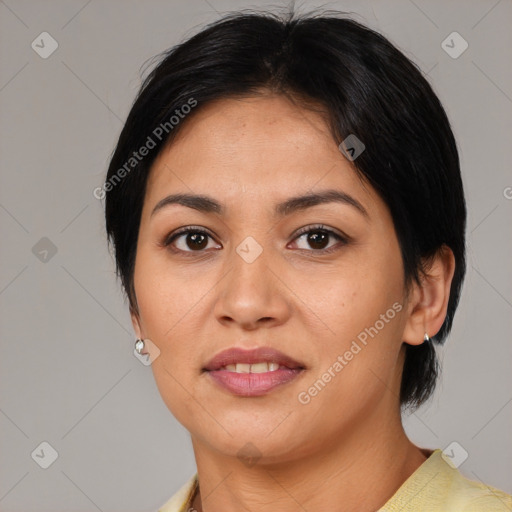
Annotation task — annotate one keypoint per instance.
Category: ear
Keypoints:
(136, 323)
(429, 301)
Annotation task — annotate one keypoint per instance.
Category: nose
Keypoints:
(253, 294)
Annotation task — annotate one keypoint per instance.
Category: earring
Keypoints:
(426, 338)
(139, 346)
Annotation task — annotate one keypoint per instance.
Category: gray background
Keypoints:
(67, 372)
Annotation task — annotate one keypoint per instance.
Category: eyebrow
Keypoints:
(207, 204)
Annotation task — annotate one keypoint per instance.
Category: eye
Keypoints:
(190, 239)
(318, 238)
(194, 239)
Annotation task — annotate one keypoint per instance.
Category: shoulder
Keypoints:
(472, 496)
(182, 498)
(438, 486)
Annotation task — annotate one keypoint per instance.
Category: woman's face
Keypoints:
(336, 305)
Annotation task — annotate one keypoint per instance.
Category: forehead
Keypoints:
(232, 120)
(253, 146)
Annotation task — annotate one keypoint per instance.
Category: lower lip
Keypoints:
(253, 384)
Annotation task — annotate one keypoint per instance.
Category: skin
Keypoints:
(250, 154)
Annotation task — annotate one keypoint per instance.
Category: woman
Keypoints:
(287, 212)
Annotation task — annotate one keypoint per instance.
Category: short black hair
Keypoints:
(366, 87)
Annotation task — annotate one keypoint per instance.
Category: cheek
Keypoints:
(164, 295)
(361, 305)
(350, 298)
(166, 309)
(166, 305)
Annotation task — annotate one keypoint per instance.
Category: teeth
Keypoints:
(258, 368)
(251, 368)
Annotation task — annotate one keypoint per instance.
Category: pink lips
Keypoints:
(252, 384)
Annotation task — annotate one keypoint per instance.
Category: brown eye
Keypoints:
(189, 240)
(318, 237)
(196, 241)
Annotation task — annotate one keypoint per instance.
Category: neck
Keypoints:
(375, 456)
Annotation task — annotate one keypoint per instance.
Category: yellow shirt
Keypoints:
(434, 487)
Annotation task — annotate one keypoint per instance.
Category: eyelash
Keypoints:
(306, 230)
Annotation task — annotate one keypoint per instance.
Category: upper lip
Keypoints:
(238, 355)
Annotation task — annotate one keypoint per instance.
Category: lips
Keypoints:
(258, 355)
(248, 381)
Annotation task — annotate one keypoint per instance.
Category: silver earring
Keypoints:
(139, 346)
(426, 338)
